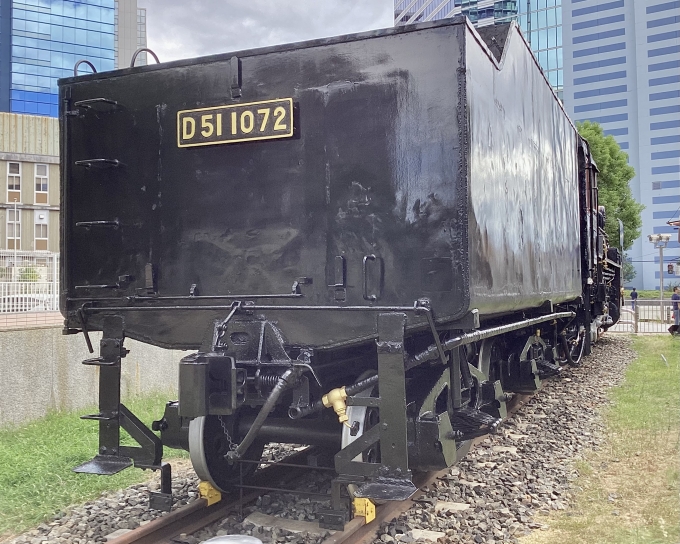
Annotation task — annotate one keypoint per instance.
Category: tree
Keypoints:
(614, 192)
(29, 274)
(628, 269)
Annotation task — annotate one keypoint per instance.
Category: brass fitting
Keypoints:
(336, 398)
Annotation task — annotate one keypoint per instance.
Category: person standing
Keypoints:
(673, 329)
(633, 297)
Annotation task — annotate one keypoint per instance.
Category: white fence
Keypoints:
(29, 281)
(648, 317)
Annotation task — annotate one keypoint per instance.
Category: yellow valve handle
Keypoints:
(336, 398)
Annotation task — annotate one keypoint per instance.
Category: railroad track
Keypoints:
(201, 513)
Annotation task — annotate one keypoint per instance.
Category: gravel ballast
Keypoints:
(490, 496)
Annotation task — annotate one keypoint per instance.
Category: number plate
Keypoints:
(266, 120)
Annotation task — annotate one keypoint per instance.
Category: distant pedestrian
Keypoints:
(676, 310)
(623, 297)
(633, 297)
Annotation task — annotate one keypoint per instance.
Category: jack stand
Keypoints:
(339, 512)
(163, 500)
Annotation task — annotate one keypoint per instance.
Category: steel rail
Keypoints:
(198, 514)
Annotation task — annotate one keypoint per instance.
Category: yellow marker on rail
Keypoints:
(365, 508)
(209, 493)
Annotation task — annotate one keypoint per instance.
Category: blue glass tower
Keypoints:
(540, 21)
(41, 40)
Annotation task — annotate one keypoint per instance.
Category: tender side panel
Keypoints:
(523, 220)
(366, 193)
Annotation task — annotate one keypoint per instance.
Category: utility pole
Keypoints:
(660, 241)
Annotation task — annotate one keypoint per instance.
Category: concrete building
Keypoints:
(41, 41)
(540, 21)
(130, 33)
(622, 69)
(29, 173)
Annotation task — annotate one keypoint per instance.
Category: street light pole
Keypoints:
(14, 268)
(660, 241)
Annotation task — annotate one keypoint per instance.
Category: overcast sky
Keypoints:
(180, 29)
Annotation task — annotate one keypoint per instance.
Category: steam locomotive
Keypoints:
(368, 242)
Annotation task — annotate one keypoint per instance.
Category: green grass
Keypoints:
(629, 488)
(650, 294)
(36, 461)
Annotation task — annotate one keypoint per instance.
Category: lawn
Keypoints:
(650, 294)
(36, 480)
(627, 492)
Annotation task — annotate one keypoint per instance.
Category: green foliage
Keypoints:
(652, 294)
(628, 269)
(5, 273)
(29, 274)
(614, 192)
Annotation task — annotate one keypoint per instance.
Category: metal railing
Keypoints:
(29, 281)
(646, 317)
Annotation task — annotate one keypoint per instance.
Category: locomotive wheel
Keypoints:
(210, 438)
(366, 418)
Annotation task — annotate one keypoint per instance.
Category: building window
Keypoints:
(41, 183)
(41, 230)
(13, 229)
(13, 182)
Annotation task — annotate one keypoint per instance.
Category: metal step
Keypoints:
(546, 369)
(104, 465)
(469, 423)
(99, 361)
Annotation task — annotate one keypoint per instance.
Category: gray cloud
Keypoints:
(191, 28)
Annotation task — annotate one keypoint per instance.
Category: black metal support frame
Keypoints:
(390, 479)
(113, 415)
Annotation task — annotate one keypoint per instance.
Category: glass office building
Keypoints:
(47, 38)
(41, 40)
(622, 70)
(540, 21)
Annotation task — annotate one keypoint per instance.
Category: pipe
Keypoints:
(318, 406)
(315, 432)
(433, 351)
(567, 351)
(286, 381)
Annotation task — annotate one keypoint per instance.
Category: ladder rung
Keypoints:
(99, 361)
(99, 417)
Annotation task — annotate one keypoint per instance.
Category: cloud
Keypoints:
(179, 29)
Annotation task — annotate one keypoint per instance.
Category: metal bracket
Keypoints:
(113, 415)
(333, 520)
(296, 289)
(235, 81)
(162, 500)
